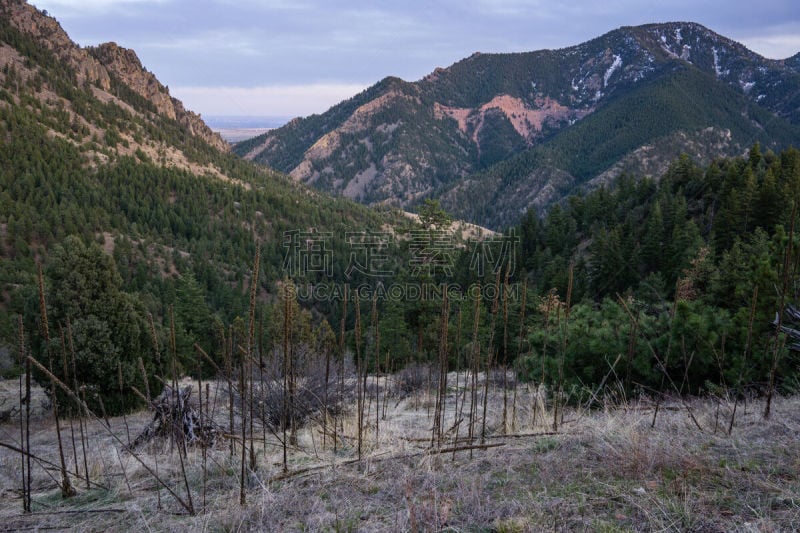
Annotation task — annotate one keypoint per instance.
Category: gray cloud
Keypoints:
(293, 43)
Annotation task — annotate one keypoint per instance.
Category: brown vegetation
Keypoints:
(604, 469)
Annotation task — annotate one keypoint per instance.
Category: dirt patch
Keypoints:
(358, 185)
(468, 230)
(9, 401)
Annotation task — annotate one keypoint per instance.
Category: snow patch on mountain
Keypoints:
(717, 70)
(610, 72)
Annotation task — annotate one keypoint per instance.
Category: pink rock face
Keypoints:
(527, 121)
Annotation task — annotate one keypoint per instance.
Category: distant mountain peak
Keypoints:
(635, 93)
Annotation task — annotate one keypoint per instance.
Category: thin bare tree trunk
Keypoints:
(564, 341)
(28, 428)
(243, 402)
(779, 340)
(69, 408)
(286, 371)
(386, 391)
(745, 357)
(67, 489)
(341, 361)
(121, 394)
(475, 364)
(292, 372)
(250, 343)
(490, 355)
(325, 397)
(522, 311)
(458, 408)
(178, 405)
(665, 372)
(505, 349)
(441, 393)
(81, 414)
(359, 369)
(227, 355)
(261, 367)
(377, 351)
(202, 421)
(23, 399)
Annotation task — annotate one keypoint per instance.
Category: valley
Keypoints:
(235, 129)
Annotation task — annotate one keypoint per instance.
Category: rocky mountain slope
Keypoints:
(111, 73)
(650, 91)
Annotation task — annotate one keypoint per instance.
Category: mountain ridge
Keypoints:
(421, 139)
(607, 142)
(100, 65)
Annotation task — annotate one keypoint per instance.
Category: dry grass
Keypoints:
(605, 470)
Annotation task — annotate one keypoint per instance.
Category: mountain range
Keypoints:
(111, 186)
(497, 134)
(96, 145)
(93, 145)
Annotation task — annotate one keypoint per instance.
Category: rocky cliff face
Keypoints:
(96, 66)
(126, 66)
(49, 33)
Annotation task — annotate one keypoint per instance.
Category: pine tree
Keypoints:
(108, 325)
(653, 240)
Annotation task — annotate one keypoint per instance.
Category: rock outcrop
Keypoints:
(97, 66)
(126, 66)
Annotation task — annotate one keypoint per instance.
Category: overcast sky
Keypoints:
(297, 57)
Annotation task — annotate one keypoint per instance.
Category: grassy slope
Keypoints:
(606, 470)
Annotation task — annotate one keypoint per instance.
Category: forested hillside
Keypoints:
(638, 133)
(146, 236)
(131, 207)
(689, 271)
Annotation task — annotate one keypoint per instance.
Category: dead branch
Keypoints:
(176, 416)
